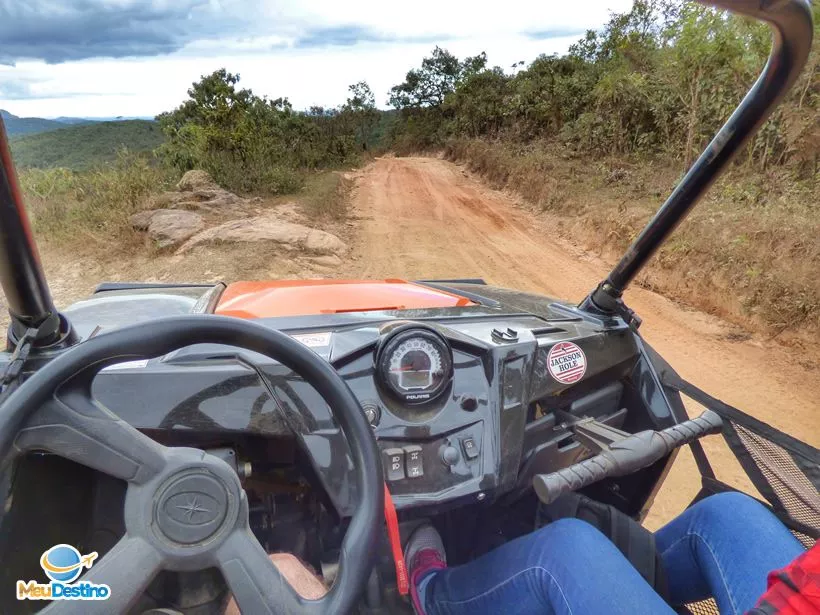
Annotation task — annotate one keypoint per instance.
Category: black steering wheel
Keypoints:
(185, 509)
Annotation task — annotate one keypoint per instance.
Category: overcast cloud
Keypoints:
(128, 57)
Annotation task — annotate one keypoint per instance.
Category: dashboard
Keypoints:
(466, 404)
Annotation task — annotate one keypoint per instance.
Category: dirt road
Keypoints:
(426, 218)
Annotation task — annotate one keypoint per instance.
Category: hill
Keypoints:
(83, 146)
(74, 121)
(28, 125)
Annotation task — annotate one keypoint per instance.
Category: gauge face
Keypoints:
(416, 366)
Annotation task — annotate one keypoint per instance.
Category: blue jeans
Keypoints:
(724, 547)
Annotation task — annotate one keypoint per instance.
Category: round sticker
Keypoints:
(567, 362)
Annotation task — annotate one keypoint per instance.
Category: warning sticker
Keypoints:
(567, 362)
(314, 340)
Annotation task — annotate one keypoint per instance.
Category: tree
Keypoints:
(438, 77)
(361, 105)
(479, 103)
(250, 143)
(213, 100)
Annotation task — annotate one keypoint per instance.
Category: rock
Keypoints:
(290, 212)
(328, 260)
(214, 199)
(198, 191)
(290, 236)
(141, 220)
(196, 180)
(322, 242)
(168, 227)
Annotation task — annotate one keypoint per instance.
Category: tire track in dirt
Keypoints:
(425, 218)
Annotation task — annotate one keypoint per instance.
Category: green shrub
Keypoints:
(257, 145)
(658, 80)
(94, 204)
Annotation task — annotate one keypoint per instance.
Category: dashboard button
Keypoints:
(413, 461)
(470, 448)
(393, 462)
(449, 455)
(469, 402)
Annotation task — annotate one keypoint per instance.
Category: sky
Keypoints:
(103, 58)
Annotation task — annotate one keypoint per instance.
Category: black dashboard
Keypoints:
(466, 404)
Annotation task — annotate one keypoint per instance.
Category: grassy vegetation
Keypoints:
(325, 195)
(656, 81)
(252, 144)
(86, 146)
(82, 187)
(91, 208)
(750, 252)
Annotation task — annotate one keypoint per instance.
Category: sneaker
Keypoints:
(424, 553)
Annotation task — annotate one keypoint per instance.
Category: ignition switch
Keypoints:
(372, 412)
(228, 455)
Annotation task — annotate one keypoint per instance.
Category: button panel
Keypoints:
(393, 462)
(418, 464)
(413, 461)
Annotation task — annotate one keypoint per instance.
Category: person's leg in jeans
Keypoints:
(724, 546)
(565, 568)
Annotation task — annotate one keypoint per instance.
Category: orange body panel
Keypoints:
(303, 297)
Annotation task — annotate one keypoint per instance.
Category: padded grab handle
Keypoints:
(625, 456)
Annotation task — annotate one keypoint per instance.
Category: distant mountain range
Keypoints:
(16, 126)
(85, 145)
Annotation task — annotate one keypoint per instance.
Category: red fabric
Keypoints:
(795, 589)
(392, 521)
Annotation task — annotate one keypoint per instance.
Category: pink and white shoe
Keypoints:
(424, 552)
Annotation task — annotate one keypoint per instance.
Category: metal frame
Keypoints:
(21, 274)
(792, 32)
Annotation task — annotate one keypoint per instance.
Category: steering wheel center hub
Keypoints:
(191, 508)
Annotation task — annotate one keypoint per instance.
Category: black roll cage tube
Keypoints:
(792, 32)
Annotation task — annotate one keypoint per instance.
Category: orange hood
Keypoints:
(304, 297)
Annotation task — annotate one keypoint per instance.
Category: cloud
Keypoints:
(57, 32)
(17, 90)
(350, 35)
(31, 89)
(541, 35)
(138, 57)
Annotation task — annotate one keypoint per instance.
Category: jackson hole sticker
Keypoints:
(567, 362)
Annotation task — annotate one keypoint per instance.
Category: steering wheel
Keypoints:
(185, 509)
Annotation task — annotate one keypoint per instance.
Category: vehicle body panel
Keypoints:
(211, 396)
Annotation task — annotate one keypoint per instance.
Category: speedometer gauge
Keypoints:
(415, 365)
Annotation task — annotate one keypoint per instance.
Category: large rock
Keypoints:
(197, 191)
(168, 227)
(209, 200)
(290, 236)
(196, 180)
(326, 261)
(142, 220)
